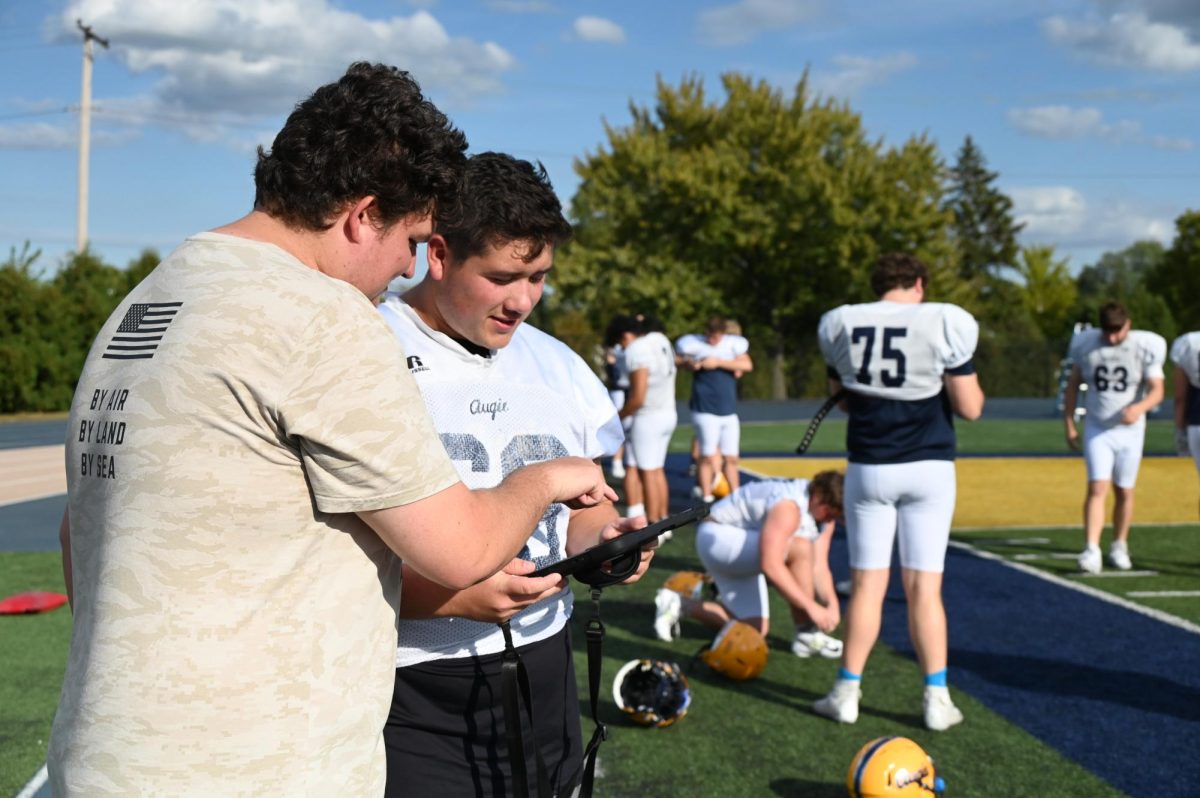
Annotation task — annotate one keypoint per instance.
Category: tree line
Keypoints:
(765, 207)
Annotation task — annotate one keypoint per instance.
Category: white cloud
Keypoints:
(1062, 216)
(1173, 144)
(1065, 122)
(741, 22)
(255, 58)
(1056, 121)
(598, 29)
(1129, 39)
(46, 136)
(856, 73)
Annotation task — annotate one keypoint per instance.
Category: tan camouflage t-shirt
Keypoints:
(234, 623)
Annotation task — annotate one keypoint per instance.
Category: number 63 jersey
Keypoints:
(1116, 374)
(891, 357)
(533, 400)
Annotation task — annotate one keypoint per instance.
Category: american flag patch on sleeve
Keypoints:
(140, 331)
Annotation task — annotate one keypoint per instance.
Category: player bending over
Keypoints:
(775, 531)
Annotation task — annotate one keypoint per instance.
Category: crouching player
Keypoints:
(777, 531)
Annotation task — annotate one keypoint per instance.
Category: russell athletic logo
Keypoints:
(140, 331)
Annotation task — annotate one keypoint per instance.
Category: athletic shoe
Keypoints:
(940, 712)
(1089, 560)
(668, 606)
(842, 702)
(816, 642)
(1118, 556)
(618, 469)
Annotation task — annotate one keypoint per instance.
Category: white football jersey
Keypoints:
(747, 507)
(897, 350)
(533, 400)
(1116, 375)
(697, 347)
(653, 352)
(1185, 353)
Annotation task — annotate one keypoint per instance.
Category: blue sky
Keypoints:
(1088, 109)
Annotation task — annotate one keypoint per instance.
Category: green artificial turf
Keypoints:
(760, 738)
(34, 657)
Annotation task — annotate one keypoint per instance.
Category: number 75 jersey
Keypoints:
(897, 350)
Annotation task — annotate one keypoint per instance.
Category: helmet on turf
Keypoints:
(689, 584)
(738, 652)
(892, 766)
(652, 692)
(721, 487)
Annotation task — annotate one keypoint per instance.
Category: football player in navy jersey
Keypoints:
(717, 359)
(501, 394)
(1123, 369)
(906, 369)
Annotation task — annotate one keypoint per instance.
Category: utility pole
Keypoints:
(85, 129)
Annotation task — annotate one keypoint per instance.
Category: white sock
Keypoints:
(635, 510)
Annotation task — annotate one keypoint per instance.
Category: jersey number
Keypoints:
(519, 451)
(1119, 382)
(890, 379)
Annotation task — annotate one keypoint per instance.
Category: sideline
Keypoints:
(34, 788)
(1088, 590)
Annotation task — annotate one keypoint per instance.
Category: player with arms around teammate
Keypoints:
(906, 367)
(228, 547)
(1185, 354)
(775, 531)
(650, 403)
(1123, 369)
(502, 393)
(717, 360)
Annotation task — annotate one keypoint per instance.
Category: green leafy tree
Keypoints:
(763, 207)
(985, 234)
(1127, 276)
(1049, 291)
(1176, 278)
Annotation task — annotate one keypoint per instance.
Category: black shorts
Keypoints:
(445, 734)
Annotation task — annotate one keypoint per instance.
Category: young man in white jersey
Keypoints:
(650, 404)
(1123, 369)
(775, 531)
(905, 366)
(1185, 354)
(502, 393)
(248, 452)
(717, 360)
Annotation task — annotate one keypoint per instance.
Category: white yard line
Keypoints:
(1096, 593)
(35, 784)
(1163, 593)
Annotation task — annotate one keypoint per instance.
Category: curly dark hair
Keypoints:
(503, 199)
(371, 133)
(897, 270)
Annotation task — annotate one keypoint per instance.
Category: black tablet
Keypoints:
(588, 563)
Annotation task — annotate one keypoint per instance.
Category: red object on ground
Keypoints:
(33, 601)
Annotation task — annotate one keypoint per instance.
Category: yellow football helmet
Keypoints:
(721, 487)
(738, 652)
(689, 584)
(892, 766)
(652, 692)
